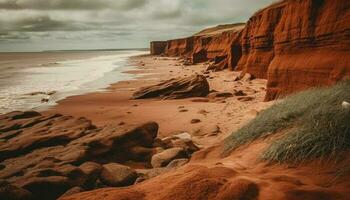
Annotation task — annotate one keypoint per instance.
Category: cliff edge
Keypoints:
(294, 44)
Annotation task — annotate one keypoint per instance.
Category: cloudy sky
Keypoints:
(35, 25)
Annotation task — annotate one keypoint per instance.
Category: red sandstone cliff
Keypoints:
(295, 44)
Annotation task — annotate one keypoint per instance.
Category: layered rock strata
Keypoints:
(295, 44)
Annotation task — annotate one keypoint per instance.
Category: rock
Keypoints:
(164, 158)
(46, 149)
(139, 153)
(48, 188)
(92, 171)
(239, 93)
(120, 143)
(177, 163)
(75, 175)
(27, 131)
(192, 86)
(183, 136)
(72, 191)
(195, 121)
(345, 105)
(246, 98)
(268, 46)
(117, 175)
(183, 140)
(11, 192)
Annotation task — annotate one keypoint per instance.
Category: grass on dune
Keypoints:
(314, 126)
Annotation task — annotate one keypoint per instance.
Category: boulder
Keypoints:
(192, 86)
(75, 175)
(183, 140)
(116, 175)
(92, 171)
(164, 158)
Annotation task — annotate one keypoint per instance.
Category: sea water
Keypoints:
(44, 84)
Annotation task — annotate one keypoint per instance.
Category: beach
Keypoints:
(219, 116)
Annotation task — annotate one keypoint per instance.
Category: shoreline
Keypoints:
(218, 116)
(36, 81)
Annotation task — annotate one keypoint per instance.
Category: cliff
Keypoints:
(158, 47)
(294, 44)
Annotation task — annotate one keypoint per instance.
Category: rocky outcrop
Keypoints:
(192, 86)
(48, 156)
(211, 44)
(116, 175)
(297, 50)
(44, 156)
(295, 44)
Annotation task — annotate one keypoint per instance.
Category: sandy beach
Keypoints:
(218, 116)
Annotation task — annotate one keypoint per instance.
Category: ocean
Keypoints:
(33, 81)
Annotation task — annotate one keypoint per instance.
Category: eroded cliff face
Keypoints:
(295, 44)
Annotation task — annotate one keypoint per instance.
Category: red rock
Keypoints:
(43, 152)
(298, 50)
(293, 50)
(193, 86)
(117, 175)
(164, 158)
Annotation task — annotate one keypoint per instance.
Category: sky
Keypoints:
(38, 25)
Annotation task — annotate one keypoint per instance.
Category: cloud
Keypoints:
(42, 24)
(71, 4)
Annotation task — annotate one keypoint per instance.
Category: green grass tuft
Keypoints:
(315, 126)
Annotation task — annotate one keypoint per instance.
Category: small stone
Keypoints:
(195, 121)
(116, 175)
(164, 158)
(240, 93)
(246, 98)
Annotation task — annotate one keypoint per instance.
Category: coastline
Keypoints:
(218, 116)
(36, 81)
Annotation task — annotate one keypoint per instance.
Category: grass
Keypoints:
(314, 126)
